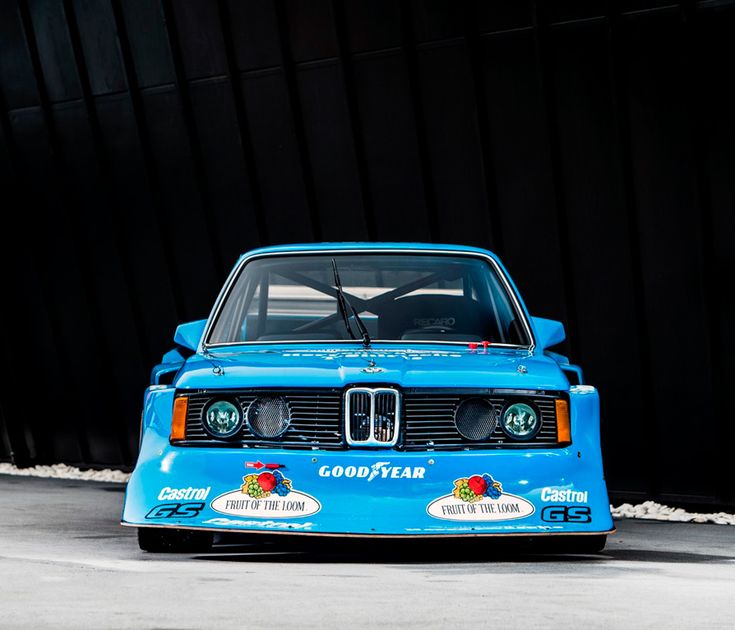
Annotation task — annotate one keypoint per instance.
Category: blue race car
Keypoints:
(376, 390)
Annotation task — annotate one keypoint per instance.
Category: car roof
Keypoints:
(386, 246)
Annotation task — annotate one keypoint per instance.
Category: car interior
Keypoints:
(453, 303)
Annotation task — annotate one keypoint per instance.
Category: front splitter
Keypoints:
(378, 536)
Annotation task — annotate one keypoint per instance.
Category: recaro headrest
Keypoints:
(458, 315)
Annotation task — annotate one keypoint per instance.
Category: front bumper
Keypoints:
(372, 492)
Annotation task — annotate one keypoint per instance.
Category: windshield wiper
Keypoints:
(361, 326)
(343, 303)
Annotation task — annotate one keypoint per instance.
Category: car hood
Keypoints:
(330, 366)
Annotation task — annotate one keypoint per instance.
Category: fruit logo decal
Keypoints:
(476, 487)
(479, 498)
(267, 495)
(261, 486)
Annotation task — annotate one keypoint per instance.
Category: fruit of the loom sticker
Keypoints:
(262, 485)
(471, 489)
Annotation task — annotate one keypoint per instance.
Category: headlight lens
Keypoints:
(520, 421)
(269, 417)
(475, 419)
(222, 418)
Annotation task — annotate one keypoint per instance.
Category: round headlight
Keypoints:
(222, 418)
(268, 417)
(475, 419)
(520, 421)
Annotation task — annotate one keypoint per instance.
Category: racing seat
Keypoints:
(429, 317)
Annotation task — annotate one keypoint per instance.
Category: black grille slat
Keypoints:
(385, 411)
(429, 422)
(360, 414)
(426, 419)
(316, 419)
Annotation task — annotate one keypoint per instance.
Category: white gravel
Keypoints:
(649, 510)
(653, 511)
(62, 471)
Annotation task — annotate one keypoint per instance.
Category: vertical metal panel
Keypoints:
(191, 247)
(372, 25)
(452, 144)
(196, 29)
(642, 473)
(251, 201)
(711, 105)
(545, 64)
(255, 30)
(310, 29)
(79, 326)
(13, 435)
(525, 193)
(664, 177)
(131, 58)
(235, 223)
(141, 243)
(474, 47)
(97, 31)
(144, 38)
(353, 114)
(212, 50)
(275, 150)
(590, 143)
(410, 54)
(288, 70)
(26, 308)
(327, 134)
(391, 150)
(55, 50)
(599, 251)
(129, 306)
(17, 77)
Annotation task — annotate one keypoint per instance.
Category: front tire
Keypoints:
(160, 540)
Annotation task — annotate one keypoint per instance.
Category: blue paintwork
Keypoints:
(548, 333)
(322, 365)
(188, 335)
(395, 504)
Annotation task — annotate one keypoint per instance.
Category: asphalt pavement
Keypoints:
(66, 563)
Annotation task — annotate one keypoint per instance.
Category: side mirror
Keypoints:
(189, 334)
(549, 332)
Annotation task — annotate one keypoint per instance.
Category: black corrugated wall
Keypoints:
(144, 144)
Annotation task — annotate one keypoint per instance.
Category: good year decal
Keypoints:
(379, 470)
(266, 495)
(479, 498)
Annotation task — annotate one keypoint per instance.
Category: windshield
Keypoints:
(398, 297)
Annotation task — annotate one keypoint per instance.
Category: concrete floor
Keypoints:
(66, 563)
